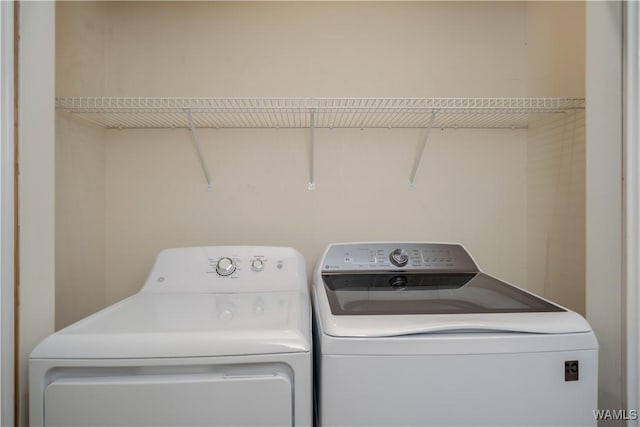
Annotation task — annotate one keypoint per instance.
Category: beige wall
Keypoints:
(556, 155)
(80, 220)
(471, 186)
(469, 189)
(426, 49)
(556, 48)
(80, 165)
(80, 48)
(556, 209)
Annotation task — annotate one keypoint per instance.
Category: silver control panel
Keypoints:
(363, 257)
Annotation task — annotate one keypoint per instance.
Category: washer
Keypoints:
(217, 336)
(414, 334)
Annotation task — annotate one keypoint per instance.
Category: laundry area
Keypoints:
(122, 195)
(303, 205)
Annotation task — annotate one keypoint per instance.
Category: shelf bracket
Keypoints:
(420, 151)
(198, 147)
(312, 129)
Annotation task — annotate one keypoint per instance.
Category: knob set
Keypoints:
(225, 266)
(399, 257)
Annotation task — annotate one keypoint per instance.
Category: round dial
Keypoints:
(399, 257)
(225, 266)
(257, 264)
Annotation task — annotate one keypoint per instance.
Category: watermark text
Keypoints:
(615, 414)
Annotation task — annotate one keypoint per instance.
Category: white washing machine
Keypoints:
(217, 336)
(414, 334)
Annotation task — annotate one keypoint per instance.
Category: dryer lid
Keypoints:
(149, 325)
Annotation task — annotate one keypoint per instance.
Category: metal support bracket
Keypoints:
(312, 128)
(420, 151)
(198, 147)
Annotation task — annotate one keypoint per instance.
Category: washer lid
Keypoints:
(427, 293)
(386, 289)
(394, 304)
(148, 325)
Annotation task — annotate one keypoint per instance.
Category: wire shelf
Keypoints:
(172, 112)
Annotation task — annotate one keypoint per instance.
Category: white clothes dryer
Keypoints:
(217, 336)
(414, 334)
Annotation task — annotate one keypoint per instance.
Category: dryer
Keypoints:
(414, 334)
(217, 336)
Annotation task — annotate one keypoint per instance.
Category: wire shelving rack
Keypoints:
(313, 113)
(170, 112)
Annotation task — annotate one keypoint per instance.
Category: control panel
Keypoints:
(399, 256)
(227, 269)
(228, 265)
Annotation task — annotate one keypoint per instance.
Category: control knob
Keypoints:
(225, 266)
(257, 264)
(399, 257)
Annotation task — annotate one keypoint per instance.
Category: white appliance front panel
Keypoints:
(193, 375)
(209, 375)
(526, 389)
(169, 400)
